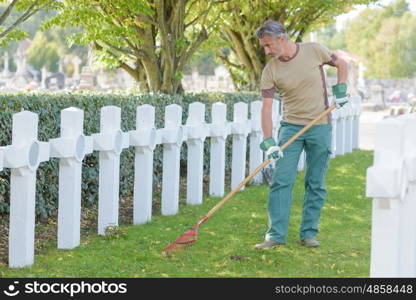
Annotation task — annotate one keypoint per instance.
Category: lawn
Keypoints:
(225, 245)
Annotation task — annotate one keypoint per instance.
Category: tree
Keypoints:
(46, 45)
(330, 37)
(152, 40)
(246, 60)
(13, 14)
(43, 53)
(204, 61)
(384, 38)
(404, 50)
(49, 46)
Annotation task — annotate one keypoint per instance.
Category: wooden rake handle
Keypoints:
(266, 162)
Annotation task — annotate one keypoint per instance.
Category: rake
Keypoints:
(190, 237)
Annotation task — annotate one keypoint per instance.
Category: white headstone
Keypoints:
(110, 142)
(6, 71)
(387, 184)
(172, 138)
(276, 117)
(71, 149)
(76, 61)
(356, 104)
(144, 141)
(377, 95)
(219, 129)
(334, 123)
(340, 134)
(302, 161)
(23, 157)
(407, 246)
(240, 129)
(348, 127)
(196, 134)
(20, 63)
(44, 73)
(256, 137)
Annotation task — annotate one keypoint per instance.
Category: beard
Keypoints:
(278, 53)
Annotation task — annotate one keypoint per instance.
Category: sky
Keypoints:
(342, 19)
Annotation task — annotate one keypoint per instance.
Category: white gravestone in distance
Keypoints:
(340, 134)
(276, 118)
(348, 127)
(6, 71)
(356, 105)
(334, 122)
(302, 161)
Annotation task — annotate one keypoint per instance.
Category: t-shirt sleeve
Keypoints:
(325, 56)
(267, 85)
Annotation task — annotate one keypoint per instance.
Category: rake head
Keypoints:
(186, 239)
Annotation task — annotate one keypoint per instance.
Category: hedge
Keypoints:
(49, 105)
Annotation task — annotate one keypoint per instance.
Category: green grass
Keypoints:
(225, 245)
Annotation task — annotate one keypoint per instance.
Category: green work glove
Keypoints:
(273, 152)
(340, 92)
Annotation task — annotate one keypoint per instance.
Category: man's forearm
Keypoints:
(266, 122)
(342, 71)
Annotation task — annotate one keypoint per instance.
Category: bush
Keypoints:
(48, 106)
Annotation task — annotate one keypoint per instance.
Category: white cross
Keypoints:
(172, 136)
(110, 142)
(196, 133)
(23, 156)
(256, 136)
(240, 128)
(71, 149)
(219, 129)
(144, 141)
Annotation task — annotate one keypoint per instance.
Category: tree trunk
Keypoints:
(152, 75)
(142, 80)
(166, 45)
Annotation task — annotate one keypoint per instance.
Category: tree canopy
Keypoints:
(385, 39)
(246, 59)
(152, 40)
(156, 41)
(14, 12)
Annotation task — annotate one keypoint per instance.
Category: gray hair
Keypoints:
(271, 28)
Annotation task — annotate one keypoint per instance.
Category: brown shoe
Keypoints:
(267, 245)
(310, 242)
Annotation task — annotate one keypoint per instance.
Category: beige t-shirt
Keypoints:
(300, 82)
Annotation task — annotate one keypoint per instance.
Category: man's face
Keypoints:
(272, 47)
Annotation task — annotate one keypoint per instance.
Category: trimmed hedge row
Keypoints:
(48, 106)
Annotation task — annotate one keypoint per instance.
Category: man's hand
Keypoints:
(273, 151)
(340, 92)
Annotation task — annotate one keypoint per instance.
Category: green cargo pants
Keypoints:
(317, 145)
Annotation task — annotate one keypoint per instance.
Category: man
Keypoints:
(295, 70)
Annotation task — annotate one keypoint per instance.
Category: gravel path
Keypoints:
(368, 121)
